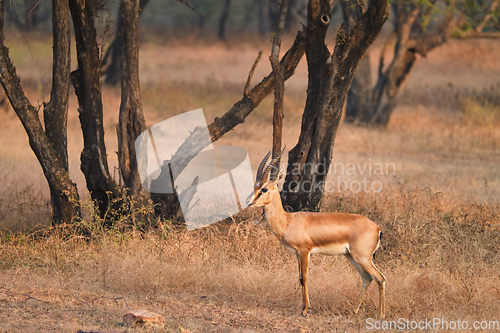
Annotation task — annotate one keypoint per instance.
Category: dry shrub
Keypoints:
(24, 210)
(480, 114)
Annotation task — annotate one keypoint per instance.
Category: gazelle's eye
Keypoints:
(264, 190)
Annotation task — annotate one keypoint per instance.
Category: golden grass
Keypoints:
(439, 212)
(438, 264)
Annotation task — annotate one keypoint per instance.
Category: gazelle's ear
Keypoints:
(281, 174)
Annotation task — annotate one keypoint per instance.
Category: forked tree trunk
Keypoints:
(49, 146)
(87, 82)
(373, 105)
(330, 77)
(131, 120)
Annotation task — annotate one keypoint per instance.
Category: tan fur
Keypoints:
(304, 233)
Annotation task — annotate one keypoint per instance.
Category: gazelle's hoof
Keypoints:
(304, 313)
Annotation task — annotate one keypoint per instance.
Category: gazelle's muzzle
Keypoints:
(250, 201)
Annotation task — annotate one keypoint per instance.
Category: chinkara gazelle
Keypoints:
(305, 233)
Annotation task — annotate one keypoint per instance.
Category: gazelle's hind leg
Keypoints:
(365, 276)
(369, 268)
(380, 278)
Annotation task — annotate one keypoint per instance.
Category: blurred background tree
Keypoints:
(418, 27)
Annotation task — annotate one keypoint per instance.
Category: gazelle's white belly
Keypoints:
(332, 249)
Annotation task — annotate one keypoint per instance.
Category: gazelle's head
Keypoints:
(265, 188)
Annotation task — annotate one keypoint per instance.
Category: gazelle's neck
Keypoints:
(276, 216)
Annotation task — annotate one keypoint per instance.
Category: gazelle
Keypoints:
(304, 233)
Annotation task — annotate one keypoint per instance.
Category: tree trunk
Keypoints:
(51, 153)
(131, 120)
(55, 112)
(111, 60)
(374, 105)
(359, 95)
(223, 20)
(87, 83)
(330, 77)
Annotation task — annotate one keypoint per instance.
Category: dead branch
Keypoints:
(79, 300)
(250, 75)
(237, 114)
(115, 299)
(34, 298)
(279, 82)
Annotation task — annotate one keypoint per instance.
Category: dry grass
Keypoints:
(439, 211)
(439, 264)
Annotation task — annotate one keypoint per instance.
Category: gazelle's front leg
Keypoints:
(303, 257)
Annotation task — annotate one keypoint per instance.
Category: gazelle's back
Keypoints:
(332, 233)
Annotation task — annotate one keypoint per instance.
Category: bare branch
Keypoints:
(188, 5)
(79, 300)
(34, 298)
(237, 114)
(279, 81)
(114, 299)
(278, 32)
(250, 75)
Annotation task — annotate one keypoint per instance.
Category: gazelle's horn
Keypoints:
(272, 163)
(261, 167)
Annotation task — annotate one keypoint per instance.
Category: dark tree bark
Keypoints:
(50, 146)
(166, 205)
(223, 20)
(358, 97)
(131, 120)
(87, 83)
(111, 60)
(330, 77)
(55, 112)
